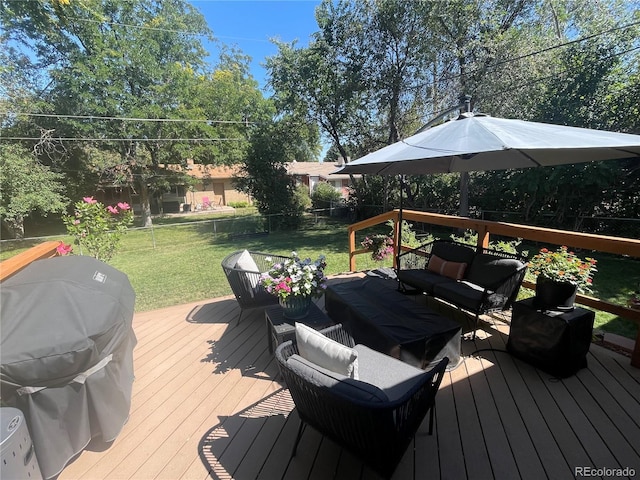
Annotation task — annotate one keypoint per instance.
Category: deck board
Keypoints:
(207, 403)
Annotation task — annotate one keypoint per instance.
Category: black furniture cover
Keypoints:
(380, 317)
(555, 342)
(66, 354)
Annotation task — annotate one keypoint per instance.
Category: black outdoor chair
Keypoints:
(245, 283)
(375, 417)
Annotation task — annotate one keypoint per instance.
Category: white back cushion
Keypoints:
(315, 347)
(246, 262)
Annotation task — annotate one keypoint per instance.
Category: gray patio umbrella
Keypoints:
(478, 142)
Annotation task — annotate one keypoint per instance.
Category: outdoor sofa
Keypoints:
(479, 282)
(374, 415)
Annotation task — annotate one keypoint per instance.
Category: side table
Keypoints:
(553, 341)
(281, 329)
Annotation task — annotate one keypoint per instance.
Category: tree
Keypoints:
(101, 64)
(264, 174)
(26, 186)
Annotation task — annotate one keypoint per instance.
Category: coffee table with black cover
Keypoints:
(280, 329)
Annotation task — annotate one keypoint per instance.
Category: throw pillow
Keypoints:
(452, 270)
(246, 262)
(325, 352)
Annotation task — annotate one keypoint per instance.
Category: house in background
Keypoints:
(311, 173)
(214, 187)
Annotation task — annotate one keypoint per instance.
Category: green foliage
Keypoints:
(238, 204)
(264, 174)
(97, 229)
(564, 265)
(470, 237)
(408, 234)
(26, 187)
(324, 195)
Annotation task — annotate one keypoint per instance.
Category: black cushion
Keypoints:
(469, 296)
(453, 252)
(422, 279)
(489, 270)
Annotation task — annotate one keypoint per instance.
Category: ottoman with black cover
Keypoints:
(553, 341)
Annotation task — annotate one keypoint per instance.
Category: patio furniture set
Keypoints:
(373, 394)
(366, 373)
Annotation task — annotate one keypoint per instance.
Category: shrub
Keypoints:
(96, 228)
(324, 194)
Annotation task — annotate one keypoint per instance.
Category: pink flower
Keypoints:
(64, 249)
(112, 209)
(89, 200)
(76, 222)
(123, 206)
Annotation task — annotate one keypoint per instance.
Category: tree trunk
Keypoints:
(15, 226)
(145, 205)
(464, 194)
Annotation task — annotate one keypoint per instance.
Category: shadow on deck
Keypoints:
(207, 404)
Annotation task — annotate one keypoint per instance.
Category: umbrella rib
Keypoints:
(440, 150)
(534, 161)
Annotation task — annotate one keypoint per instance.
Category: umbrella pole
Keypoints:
(398, 250)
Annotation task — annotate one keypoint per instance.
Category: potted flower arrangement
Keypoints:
(295, 282)
(560, 275)
(381, 246)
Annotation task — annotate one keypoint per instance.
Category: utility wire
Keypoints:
(129, 119)
(520, 57)
(555, 75)
(76, 139)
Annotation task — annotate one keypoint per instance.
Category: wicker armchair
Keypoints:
(245, 283)
(378, 431)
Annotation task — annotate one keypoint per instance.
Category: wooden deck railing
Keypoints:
(601, 243)
(16, 263)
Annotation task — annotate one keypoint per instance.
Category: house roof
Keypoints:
(322, 170)
(201, 171)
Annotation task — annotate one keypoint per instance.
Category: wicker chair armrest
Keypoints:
(339, 334)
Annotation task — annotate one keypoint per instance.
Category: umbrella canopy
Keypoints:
(478, 142)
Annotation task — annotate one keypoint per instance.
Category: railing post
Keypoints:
(352, 249)
(483, 238)
(396, 236)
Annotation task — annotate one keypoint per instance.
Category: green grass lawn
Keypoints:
(180, 262)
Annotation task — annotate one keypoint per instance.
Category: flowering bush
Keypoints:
(96, 228)
(563, 266)
(381, 246)
(295, 277)
(64, 249)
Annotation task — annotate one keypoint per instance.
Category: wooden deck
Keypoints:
(207, 403)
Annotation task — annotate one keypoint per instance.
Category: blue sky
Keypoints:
(249, 24)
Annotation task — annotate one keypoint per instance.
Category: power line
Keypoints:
(168, 30)
(128, 119)
(555, 75)
(98, 139)
(526, 55)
